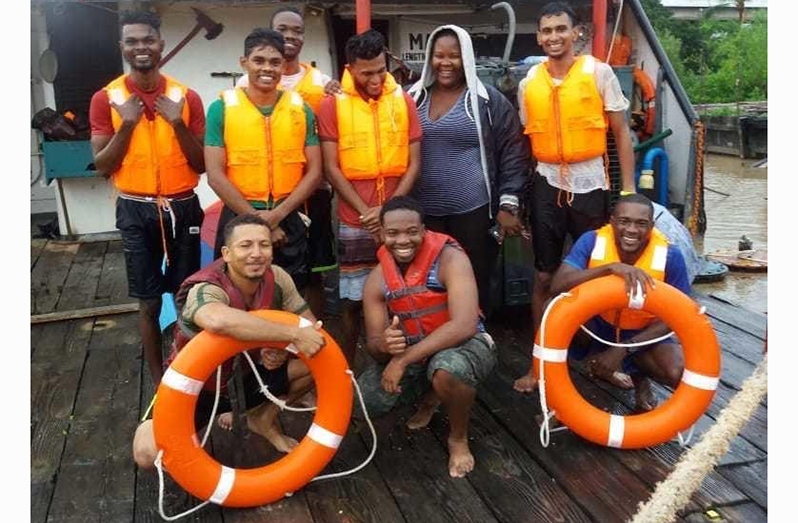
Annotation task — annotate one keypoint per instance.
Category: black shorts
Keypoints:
(276, 380)
(551, 223)
(321, 240)
(291, 256)
(142, 240)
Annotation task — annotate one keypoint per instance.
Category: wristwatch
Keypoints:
(508, 207)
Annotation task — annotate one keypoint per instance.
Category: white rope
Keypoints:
(637, 344)
(215, 405)
(615, 31)
(159, 466)
(274, 399)
(545, 430)
(373, 437)
(683, 442)
(159, 463)
(674, 492)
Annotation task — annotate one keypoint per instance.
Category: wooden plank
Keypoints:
(732, 314)
(176, 500)
(47, 445)
(415, 467)
(112, 288)
(60, 346)
(507, 477)
(40, 494)
(591, 475)
(714, 490)
(48, 276)
(254, 451)
(105, 310)
(751, 479)
(98, 491)
(84, 274)
(744, 513)
(97, 477)
(36, 248)
(360, 497)
(740, 450)
(756, 430)
(738, 342)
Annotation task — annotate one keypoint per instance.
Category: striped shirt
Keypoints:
(451, 181)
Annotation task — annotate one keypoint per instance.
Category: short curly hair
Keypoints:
(141, 16)
(366, 46)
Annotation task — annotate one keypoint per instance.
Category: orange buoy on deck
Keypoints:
(197, 472)
(688, 402)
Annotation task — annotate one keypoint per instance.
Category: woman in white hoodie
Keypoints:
(474, 160)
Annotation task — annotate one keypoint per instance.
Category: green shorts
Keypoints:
(470, 363)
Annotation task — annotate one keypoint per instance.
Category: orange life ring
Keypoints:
(197, 472)
(648, 95)
(688, 402)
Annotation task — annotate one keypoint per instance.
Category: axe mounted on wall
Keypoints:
(212, 30)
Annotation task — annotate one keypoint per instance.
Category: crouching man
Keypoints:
(216, 299)
(423, 327)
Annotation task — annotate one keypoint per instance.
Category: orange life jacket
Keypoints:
(652, 260)
(311, 87)
(154, 163)
(565, 123)
(420, 310)
(372, 135)
(265, 154)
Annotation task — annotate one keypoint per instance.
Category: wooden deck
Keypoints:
(89, 389)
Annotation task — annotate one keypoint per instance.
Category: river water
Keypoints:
(743, 211)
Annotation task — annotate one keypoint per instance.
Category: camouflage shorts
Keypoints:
(470, 363)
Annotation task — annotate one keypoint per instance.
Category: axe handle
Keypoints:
(180, 46)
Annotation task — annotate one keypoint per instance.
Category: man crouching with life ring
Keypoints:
(216, 299)
(423, 327)
(632, 248)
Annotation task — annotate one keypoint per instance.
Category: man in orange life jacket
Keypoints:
(632, 248)
(370, 136)
(215, 299)
(566, 105)
(147, 136)
(423, 328)
(312, 85)
(262, 152)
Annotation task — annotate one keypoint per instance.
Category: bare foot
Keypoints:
(461, 462)
(644, 397)
(225, 420)
(262, 420)
(421, 418)
(526, 383)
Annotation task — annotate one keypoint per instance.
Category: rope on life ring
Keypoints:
(690, 399)
(201, 475)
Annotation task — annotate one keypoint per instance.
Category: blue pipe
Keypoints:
(656, 153)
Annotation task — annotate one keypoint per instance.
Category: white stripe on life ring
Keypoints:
(554, 355)
(324, 437)
(617, 429)
(224, 486)
(304, 322)
(700, 381)
(175, 380)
